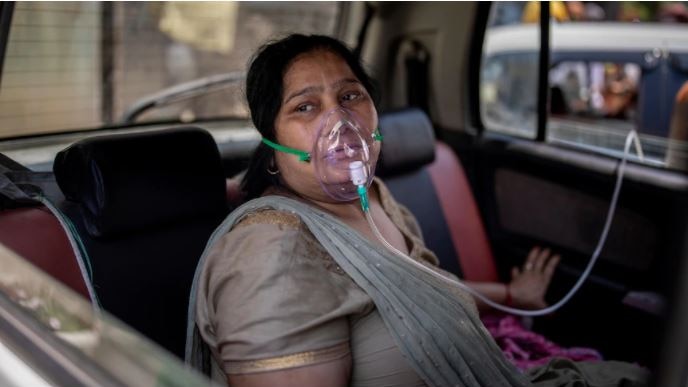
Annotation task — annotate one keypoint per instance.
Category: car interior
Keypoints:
(142, 200)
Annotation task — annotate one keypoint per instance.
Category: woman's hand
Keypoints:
(529, 284)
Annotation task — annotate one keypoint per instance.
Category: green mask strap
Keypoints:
(377, 136)
(303, 156)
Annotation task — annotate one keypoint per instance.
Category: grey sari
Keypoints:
(440, 336)
(443, 340)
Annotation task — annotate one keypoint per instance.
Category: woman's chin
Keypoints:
(342, 194)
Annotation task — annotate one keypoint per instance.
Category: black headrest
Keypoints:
(127, 182)
(408, 141)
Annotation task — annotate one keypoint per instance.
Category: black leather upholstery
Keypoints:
(408, 147)
(141, 180)
(408, 141)
(145, 205)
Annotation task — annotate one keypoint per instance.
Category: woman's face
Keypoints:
(314, 84)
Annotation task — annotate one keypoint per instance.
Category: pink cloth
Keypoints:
(527, 349)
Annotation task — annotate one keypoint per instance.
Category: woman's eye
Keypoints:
(304, 108)
(351, 96)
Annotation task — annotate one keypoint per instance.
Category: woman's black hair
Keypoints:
(264, 88)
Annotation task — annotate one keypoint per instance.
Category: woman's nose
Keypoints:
(334, 117)
(336, 112)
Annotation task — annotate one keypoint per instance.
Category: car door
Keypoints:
(539, 184)
(535, 188)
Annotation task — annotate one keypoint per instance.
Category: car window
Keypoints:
(614, 66)
(101, 342)
(82, 65)
(509, 72)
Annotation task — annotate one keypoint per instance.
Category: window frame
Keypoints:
(6, 12)
(674, 61)
(475, 64)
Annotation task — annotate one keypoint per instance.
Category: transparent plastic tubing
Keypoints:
(632, 137)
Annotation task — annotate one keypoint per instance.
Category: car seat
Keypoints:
(426, 176)
(144, 204)
(32, 230)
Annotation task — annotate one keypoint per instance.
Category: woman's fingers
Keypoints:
(515, 272)
(551, 265)
(549, 269)
(539, 263)
(532, 257)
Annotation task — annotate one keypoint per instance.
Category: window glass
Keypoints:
(593, 103)
(509, 72)
(78, 65)
(50, 77)
(614, 66)
(105, 343)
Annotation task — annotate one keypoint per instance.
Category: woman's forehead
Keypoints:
(319, 67)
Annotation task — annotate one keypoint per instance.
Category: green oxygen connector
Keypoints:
(363, 194)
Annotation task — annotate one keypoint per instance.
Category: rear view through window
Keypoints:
(613, 67)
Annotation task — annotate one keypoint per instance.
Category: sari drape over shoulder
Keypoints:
(438, 332)
(435, 327)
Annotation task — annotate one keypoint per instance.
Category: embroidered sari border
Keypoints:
(289, 361)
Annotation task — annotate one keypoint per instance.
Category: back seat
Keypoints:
(144, 205)
(426, 176)
(36, 235)
(32, 230)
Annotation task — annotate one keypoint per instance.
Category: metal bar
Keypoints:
(543, 73)
(6, 11)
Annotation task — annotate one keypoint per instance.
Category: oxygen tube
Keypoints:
(359, 177)
(342, 155)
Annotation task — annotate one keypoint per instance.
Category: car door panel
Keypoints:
(541, 194)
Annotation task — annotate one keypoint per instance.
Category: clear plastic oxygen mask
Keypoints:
(343, 155)
(342, 144)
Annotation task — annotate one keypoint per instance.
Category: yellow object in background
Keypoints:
(557, 10)
(209, 26)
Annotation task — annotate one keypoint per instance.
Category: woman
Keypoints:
(295, 288)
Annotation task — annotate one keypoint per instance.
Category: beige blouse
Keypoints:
(271, 298)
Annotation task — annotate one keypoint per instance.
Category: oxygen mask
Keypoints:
(343, 154)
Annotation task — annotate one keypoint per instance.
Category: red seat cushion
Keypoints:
(462, 216)
(35, 234)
